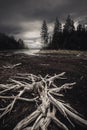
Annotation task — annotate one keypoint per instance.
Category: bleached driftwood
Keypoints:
(46, 89)
(11, 66)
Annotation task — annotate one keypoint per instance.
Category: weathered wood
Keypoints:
(46, 111)
(11, 66)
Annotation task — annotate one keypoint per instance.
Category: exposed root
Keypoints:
(26, 121)
(47, 105)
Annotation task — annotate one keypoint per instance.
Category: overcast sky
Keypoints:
(23, 18)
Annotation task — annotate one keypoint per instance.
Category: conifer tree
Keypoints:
(69, 25)
(79, 28)
(56, 35)
(44, 33)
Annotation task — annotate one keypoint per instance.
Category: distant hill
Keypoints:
(9, 42)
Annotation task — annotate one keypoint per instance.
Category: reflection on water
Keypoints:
(28, 51)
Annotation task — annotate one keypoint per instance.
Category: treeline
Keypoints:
(65, 37)
(9, 42)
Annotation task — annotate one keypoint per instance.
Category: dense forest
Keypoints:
(65, 37)
(9, 42)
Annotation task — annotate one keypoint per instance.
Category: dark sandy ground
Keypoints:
(75, 67)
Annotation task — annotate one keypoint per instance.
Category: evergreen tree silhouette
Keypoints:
(66, 38)
(69, 25)
(68, 32)
(44, 33)
(56, 41)
(81, 37)
(79, 28)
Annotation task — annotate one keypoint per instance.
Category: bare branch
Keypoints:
(47, 96)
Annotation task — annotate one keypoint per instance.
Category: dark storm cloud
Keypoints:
(14, 14)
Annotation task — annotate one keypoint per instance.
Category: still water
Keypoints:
(21, 51)
(27, 51)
